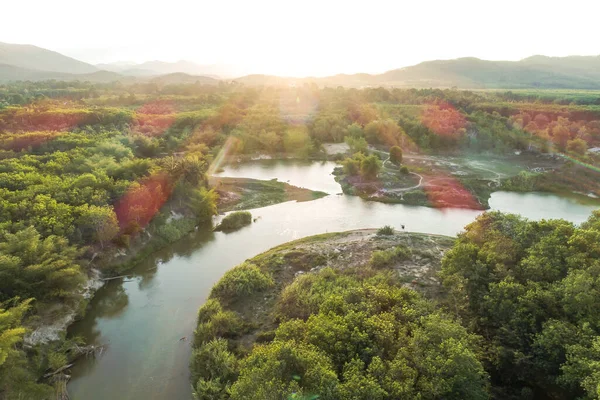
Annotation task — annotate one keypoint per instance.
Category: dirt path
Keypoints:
(398, 190)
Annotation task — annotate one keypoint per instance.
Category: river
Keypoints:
(142, 319)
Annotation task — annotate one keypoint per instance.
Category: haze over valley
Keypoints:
(28, 62)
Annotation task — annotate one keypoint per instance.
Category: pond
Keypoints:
(141, 320)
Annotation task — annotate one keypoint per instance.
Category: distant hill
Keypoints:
(475, 73)
(156, 68)
(467, 73)
(33, 57)
(178, 78)
(11, 73)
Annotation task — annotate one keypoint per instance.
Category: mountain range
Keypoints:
(27, 62)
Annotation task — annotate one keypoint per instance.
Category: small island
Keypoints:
(234, 221)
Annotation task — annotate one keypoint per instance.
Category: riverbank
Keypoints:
(171, 225)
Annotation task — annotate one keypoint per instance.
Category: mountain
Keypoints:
(11, 73)
(532, 72)
(37, 58)
(156, 67)
(26, 62)
(575, 72)
(179, 78)
(118, 66)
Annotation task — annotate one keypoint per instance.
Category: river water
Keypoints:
(142, 319)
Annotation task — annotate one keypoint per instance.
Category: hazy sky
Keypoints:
(304, 37)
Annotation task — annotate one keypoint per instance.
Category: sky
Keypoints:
(303, 37)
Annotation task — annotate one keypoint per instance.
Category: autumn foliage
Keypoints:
(143, 201)
(444, 120)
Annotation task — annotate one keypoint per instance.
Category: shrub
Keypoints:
(404, 170)
(281, 370)
(370, 167)
(235, 221)
(384, 258)
(211, 389)
(173, 231)
(243, 280)
(351, 166)
(385, 231)
(223, 324)
(212, 361)
(122, 241)
(380, 258)
(208, 309)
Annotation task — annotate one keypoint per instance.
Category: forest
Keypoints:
(89, 172)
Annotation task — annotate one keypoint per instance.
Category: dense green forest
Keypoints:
(90, 171)
(530, 289)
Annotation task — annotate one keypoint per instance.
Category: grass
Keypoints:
(385, 258)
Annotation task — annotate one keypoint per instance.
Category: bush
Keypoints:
(223, 324)
(173, 231)
(210, 390)
(122, 241)
(404, 170)
(208, 310)
(243, 280)
(380, 259)
(351, 166)
(385, 231)
(235, 221)
(384, 258)
(283, 370)
(212, 361)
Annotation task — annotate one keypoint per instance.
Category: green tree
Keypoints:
(577, 146)
(16, 381)
(370, 166)
(45, 269)
(97, 224)
(396, 155)
(214, 367)
(530, 289)
(357, 144)
(281, 369)
(203, 203)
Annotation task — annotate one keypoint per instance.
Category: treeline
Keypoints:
(531, 290)
(273, 120)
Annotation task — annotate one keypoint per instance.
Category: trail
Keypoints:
(498, 175)
(398, 190)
